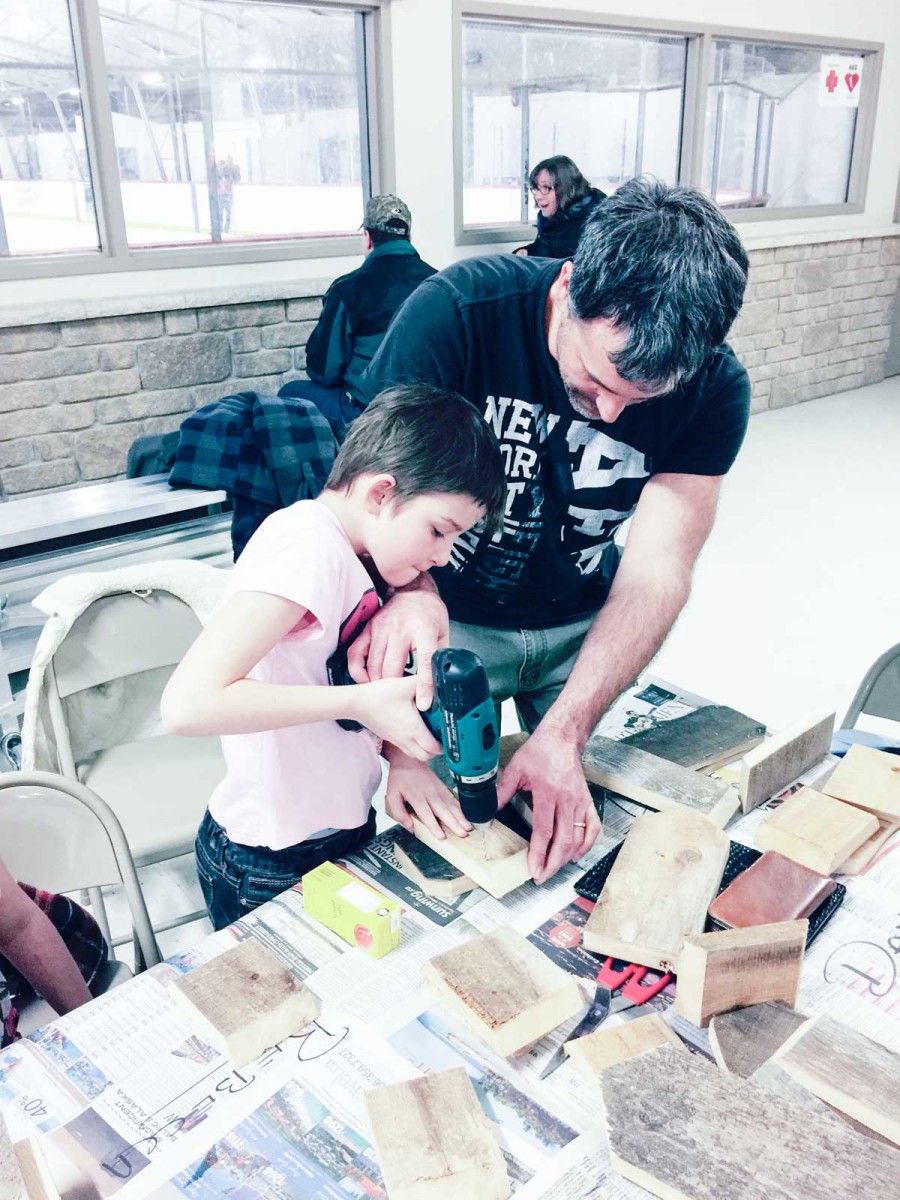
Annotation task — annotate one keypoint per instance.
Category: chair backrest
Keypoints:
(879, 693)
(58, 835)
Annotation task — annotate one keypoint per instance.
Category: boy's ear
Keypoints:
(380, 489)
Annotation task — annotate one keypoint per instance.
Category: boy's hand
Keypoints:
(411, 620)
(414, 789)
(388, 708)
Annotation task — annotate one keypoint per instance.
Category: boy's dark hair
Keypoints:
(569, 183)
(380, 236)
(665, 265)
(430, 440)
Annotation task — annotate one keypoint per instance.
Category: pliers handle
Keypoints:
(631, 980)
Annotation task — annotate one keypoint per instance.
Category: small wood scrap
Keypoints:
(12, 1185)
(848, 1070)
(245, 1001)
(504, 989)
(862, 858)
(706, 737)
(433, 1140)
(659, 889)
(429, 870)
(774, 888)
(495, 858)
(815, 830)
(739, 967)
(870, 779)
(783, 758)
(679, 1128)
(743, 1040)
(35, 1173)
(655, 783)
(596, 1052)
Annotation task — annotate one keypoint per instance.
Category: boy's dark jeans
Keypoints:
(235, 879)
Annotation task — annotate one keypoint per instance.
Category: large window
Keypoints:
(212, 123)
(611, 101)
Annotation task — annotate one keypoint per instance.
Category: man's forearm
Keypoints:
(627, 633)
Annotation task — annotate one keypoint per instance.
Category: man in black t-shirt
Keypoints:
(612, 393)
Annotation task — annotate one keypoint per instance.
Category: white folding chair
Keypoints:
(878, 695)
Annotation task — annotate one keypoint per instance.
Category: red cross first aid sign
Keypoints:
(840, 81)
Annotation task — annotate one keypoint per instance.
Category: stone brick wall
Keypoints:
(74, 395)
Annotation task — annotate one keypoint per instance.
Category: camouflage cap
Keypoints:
(388, 214)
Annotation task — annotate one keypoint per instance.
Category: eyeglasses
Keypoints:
(542, 189)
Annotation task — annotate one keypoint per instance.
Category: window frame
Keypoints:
(700, 38)
(115, 254)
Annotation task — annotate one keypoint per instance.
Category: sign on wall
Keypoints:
(840, 81)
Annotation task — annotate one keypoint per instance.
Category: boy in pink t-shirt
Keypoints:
(417, 469)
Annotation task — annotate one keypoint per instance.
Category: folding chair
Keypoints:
(879, 693)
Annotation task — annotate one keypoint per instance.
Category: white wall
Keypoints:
(421, 71)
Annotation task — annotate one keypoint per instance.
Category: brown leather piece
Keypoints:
(773, 889)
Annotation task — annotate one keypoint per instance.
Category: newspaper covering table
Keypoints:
(127, 1095)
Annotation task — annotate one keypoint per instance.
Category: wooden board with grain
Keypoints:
(659, 889)
(684, 1131)
(12, 1185)
(743, 1040)
(706, 737)
(504, 989)
(596, 1052)
(735, 968)
(429, 870)
(433, 1140)
(655, 783)
(869, 779)
(495, 858)
(815, 830)
(245, 1000)
(39, 1184)
(780, 760)
(860, 859)
(848, 1070)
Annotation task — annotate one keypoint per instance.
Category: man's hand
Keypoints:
(565, 824)
(413, 788)
(413, 620)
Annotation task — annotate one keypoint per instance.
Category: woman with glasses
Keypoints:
(565, 200)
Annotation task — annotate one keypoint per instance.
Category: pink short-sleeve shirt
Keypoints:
(284, 785)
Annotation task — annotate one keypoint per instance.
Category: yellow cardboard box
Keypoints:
(356, 912)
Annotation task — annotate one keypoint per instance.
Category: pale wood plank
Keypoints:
(706, 737)
(743, 1040)
(659, 889)
(496, 858)
(245, 1001)
(845, 1068)
(504, 989)
(596, 1052)
(815, 830)
(433, 1140)
(444, 881)
(861, 858)
(12, 1185)
(869, 779)
(783, 758)
(36, 1175)
(684, 1131)
(739, 967)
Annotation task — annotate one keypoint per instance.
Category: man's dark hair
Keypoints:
(568, 182)
(665, 265)
(380, 236)
(430, 440)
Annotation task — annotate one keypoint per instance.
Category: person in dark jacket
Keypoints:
(565, 200)
(357, 310)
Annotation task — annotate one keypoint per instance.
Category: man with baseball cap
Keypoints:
(357, 310)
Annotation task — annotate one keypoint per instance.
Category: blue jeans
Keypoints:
(235, 879)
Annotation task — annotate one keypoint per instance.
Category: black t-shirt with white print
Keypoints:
(478, 328)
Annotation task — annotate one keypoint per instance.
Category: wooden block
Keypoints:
(815, 830)
(653, 782)
(843, 1067)
(35, 1173)
(433, 1140)
(782, 759)
(659, 889)
(432, 873)
(504, 988)
(739, 967)
(496, 858)
(706, 737)
(12, 1185)
(245, 1001)
(597, 1051)
(861, 858)
(870, 779)
(684, 1131)
(748, 1037)
(774, 888)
